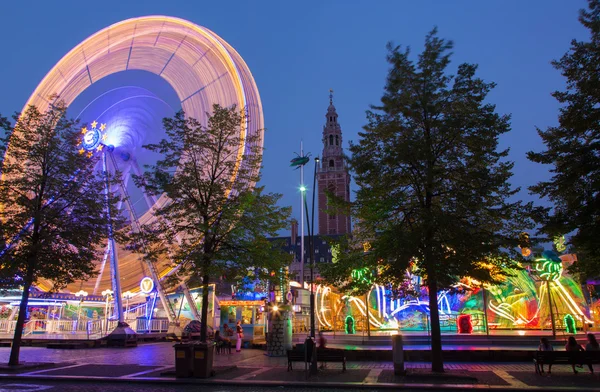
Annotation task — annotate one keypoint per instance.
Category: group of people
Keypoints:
(572, 345)
(224, 340)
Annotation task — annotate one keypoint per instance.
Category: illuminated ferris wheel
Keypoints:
(201, 68)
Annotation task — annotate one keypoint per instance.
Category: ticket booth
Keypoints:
(250, 313)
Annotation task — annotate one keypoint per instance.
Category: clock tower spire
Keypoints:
(333, 175)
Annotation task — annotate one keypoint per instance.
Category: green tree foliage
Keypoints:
(52, 208)
(434, 190)
(216, 222)
(572, 148)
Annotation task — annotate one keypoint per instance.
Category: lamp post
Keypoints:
(127, 295)
(81, 295)
(300, 161)
(107, 294)
(311, 246)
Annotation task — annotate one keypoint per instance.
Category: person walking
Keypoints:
(545, 346)
(240, 335)
(322, 346)
(573, 346)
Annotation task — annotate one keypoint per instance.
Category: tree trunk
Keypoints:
(437, 362)
(16, 344)
(204, 317)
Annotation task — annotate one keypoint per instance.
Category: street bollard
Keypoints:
(398, 355)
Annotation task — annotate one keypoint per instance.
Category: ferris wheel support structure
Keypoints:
(114, 261)
(151, 267)
(151, 201)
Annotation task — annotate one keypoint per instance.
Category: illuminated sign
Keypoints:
(241, 303)
(146, 285)
(92, 138)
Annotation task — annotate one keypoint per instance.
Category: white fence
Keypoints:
(82, 329)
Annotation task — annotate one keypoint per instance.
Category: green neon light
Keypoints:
(350, 321)
(362, 275)
(548, 269)
(560, 243)
(570, 324)
(335, 253)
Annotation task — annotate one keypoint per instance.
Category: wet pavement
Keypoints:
(154, 362)
(145, 387)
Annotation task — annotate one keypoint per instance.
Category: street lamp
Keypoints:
(127, 295)
(80, 294)
(107, 294)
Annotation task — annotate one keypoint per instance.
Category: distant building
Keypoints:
(322, 253)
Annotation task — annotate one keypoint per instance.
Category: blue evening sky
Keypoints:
(298, 50)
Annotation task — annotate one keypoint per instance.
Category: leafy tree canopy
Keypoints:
(572, 149)
(53, 210)
(215, 221)
(434, 189)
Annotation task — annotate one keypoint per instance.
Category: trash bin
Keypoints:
(398, 355)
(183, 360)
(202, 360)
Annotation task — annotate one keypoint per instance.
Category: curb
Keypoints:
(297, 384)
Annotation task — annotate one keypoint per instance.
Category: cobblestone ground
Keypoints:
(156, 361)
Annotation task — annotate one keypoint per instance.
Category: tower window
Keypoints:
(331, 140)
(331, 163)
(337, 140)
(330, 118)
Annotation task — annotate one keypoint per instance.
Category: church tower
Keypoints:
(333, 175)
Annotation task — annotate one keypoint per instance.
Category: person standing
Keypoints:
(240, 335)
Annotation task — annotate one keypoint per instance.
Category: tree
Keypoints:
(573, 150)
(52, 207)
(433, 186)
(217, 221)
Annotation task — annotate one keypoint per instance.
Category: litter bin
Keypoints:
(202, 361)
(183, 360)
(398, 355)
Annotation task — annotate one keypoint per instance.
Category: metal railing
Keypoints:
(79, 329)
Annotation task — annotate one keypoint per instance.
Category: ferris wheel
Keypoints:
(202, 69)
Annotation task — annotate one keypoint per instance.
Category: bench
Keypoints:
(564, 358)
(222, 346)
(323, 355)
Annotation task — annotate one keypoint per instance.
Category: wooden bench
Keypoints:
(294, 356)
(322, 356)
(564, 358)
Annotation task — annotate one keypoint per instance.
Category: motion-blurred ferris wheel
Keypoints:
(201, 68)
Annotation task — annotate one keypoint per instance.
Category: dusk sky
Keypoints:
(297, 51)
